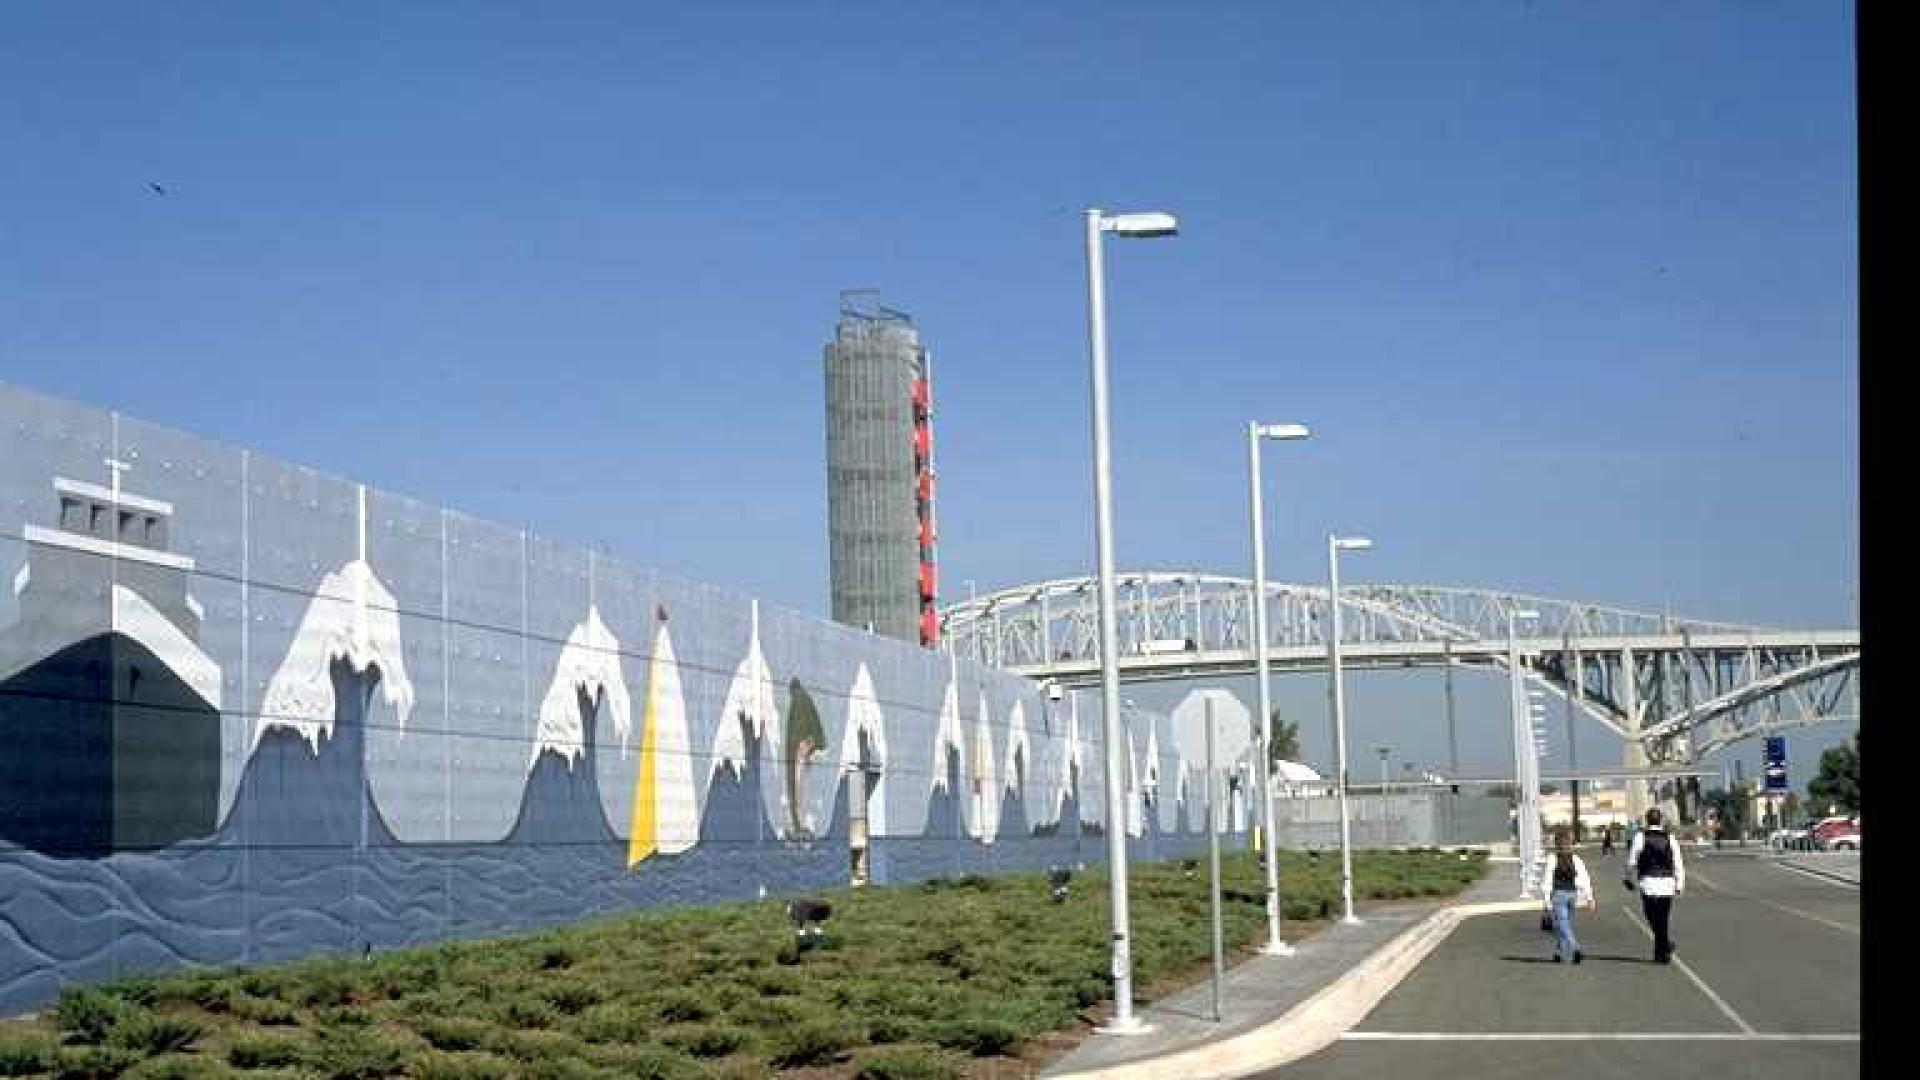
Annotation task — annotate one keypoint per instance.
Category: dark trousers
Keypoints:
(1658, 910)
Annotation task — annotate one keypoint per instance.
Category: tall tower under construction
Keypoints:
(880, 522)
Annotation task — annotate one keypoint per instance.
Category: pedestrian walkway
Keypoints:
(1265, 988)
(1765, 981)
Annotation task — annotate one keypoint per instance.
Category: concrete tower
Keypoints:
(880, 524)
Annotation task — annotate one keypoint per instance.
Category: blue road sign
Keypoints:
(1776, 767)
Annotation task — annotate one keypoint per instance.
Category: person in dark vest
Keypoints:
(1606, 839)
(1564, 884)
(1654, 869)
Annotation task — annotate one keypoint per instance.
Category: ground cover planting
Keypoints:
(959, 977)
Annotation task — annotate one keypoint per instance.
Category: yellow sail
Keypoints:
(642, 837)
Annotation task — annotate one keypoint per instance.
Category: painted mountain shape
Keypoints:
(735, 812)
(306, 785)
(561, 804)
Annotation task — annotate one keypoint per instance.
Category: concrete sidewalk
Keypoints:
(1266, 989)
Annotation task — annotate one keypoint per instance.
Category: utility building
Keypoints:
(880, 480)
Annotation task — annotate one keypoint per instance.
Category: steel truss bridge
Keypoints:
(1676, 689)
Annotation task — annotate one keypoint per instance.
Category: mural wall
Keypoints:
(250, 712)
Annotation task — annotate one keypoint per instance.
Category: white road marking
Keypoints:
(1836, 882)
(1717, 887)
(1697, 980)
(1602, 1036)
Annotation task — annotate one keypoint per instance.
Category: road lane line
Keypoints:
(1697, 980)
(1601, 1036)
(1719, 888)
(1818, 875)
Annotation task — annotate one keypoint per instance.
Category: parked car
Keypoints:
(1824, 833)
(1839, 834)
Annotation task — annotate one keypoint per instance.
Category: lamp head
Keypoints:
(1527, 615)
(1141, 226)
(1282, 432)
(1352, 543)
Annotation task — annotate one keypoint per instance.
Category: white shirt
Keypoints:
(1656, 886)
(1582, 884)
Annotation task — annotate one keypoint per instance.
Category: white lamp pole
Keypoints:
(1279, 433)
(1526, 788)
(1129, 225)
(1335, 545)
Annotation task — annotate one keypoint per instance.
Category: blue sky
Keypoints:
(1568, 291)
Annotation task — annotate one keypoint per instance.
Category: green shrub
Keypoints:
(266, 1011)
(617, 1022)
(707, 1040)
(813, 1042)
(526, 1012)
(533, 1045)
(555, 957)
(177, 1067)
(150, 1035)
(353, 1053)
(263, 1051)
(87, 1015)
(133, 989)
(326, 987)
(982, 1032)
(572, 998)
(681, 1007)
(567, 1068)
(911, 1062)
(343, 1016)
(452, 1032)
(645, 1062)
(26, 1053)
(438, 1066)
(93, 1062)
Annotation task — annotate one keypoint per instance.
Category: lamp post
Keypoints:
(1138, 226)
(1526, 787)
(1262, 722)
(1335, 545)
(1385, 752)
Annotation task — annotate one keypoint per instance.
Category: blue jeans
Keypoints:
(1563, 901)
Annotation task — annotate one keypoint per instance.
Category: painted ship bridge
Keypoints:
(1676, 688)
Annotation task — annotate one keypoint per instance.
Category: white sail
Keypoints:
(676, 809)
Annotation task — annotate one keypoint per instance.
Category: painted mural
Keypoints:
(249, 712)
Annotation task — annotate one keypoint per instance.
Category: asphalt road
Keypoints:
(1766, 982)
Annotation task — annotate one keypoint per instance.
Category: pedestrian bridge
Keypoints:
(1680, 688)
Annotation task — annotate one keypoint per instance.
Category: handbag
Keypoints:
(1546, 923)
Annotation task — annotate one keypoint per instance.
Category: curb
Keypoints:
(1316, 1022)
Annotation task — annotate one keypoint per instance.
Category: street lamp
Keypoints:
(1526, 782)
(1255, 433)
(1138, 226)
(1335, 545)
(1385, 752)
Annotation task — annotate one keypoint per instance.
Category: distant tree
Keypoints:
(1790, 809)
(1838, 784)
(1730, 806)
(1283, 739)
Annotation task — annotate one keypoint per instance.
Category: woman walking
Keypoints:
(1564, 883)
